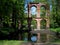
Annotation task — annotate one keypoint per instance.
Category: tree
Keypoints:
(11, 11)
(55, 23)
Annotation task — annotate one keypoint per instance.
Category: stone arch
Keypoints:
(32, 5)
(33, 11)
(42, 11)
(43, 24)
(43, 6)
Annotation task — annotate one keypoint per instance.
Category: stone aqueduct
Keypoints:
(38, 31)
(38, 20)
(38, 17)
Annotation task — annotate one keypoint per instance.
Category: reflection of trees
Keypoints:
(43, 37)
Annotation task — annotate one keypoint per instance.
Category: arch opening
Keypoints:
(33, 11)
(42, 11)
(33, 24)
(43, 24)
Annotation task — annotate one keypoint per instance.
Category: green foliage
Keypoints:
(41, 1)
(43, 24)
(55, 29)
(11, 42)
(33, 24)
(8, 8)
(6, 31)
(54, 15)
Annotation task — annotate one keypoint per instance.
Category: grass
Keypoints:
(10, 42)
(17, 42)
